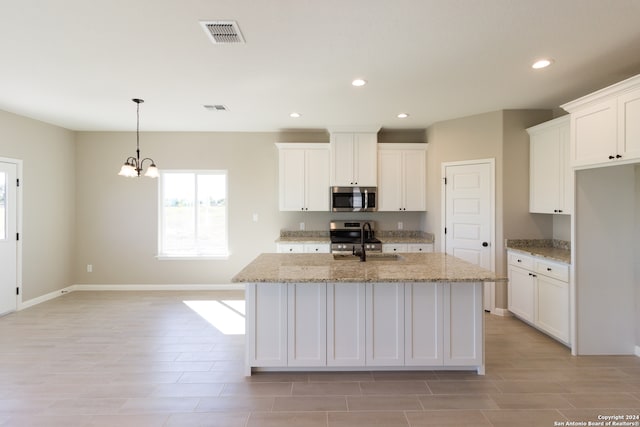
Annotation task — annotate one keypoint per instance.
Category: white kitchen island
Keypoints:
(311, 312)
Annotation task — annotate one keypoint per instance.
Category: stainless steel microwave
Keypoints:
(354, 199)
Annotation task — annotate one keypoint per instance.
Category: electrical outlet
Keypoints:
(302, 226)
(255, 217)
(89, 268)
(400, 225)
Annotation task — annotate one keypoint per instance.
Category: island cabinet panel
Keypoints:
(307, 320)
(463, 324)
(346, 324)
(267, 324)
(385, 324)
(423, 324)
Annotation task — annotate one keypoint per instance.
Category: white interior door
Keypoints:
(8, 237)
(469, 215)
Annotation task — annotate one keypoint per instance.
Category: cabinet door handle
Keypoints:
(611, 157)
(519, 260)
(618, 156)
(548, 269)
(485, 244)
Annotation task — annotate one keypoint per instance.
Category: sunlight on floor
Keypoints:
(225, 315)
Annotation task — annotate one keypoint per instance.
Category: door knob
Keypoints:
(485, 244)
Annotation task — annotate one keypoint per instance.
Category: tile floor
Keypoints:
(148, 359)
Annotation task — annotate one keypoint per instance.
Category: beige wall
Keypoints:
(48, 190)
(116, 225)
(501, 136)
(117, 217)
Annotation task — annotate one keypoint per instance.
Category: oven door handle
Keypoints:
(366, 199)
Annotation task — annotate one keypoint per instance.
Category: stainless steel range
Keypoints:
(346, 237)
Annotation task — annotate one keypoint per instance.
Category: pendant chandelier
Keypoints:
(133, 165)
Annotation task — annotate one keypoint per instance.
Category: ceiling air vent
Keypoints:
(216, 107)
(222, 31)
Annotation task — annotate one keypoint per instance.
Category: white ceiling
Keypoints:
(78, 63)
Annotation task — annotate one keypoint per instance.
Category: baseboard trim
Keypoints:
(81, 287)
(171, 287)
(501, 312)
(45, 297)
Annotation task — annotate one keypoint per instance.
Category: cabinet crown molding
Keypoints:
(403, 146)
(599, 95)
(557, 122)
(317, 145)
(356, 129)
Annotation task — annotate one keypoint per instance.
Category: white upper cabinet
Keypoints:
(304, 177)
(402, 177)
(629, 124)
(605, 126)
(550, 176)
(354, 159)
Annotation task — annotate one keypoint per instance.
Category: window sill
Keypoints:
(192, 257)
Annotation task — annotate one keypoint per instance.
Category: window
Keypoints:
(193, 214)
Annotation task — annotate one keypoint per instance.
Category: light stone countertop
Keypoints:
(304, 239)
(402, 240)
(555, 254)
(418, 267)
(556, 250)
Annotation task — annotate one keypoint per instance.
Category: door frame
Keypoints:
(19, 168)
(492, 201)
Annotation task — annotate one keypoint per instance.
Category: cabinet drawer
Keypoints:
(296, 248)
(319, 248)
(521, 260)
(394, 247)
(420, 247)
(552, 269)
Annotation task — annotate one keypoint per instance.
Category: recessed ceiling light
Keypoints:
(359, 82)
(403, 115)
(542, 63)
(295, 115)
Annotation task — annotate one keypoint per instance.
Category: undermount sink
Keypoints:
(376, 256)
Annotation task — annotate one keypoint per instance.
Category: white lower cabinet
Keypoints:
(346, 324)
(521, 294)
(307, 324)
(552, 313)
(539, 293)
(364, 325)
(463, 324)
(385, 324)
(407, 247)
(298, 248)
(423, 324)
(266, 324)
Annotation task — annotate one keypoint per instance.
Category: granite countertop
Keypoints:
(556, 250)
(401, 239)
(419, 267)
(303, 239)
